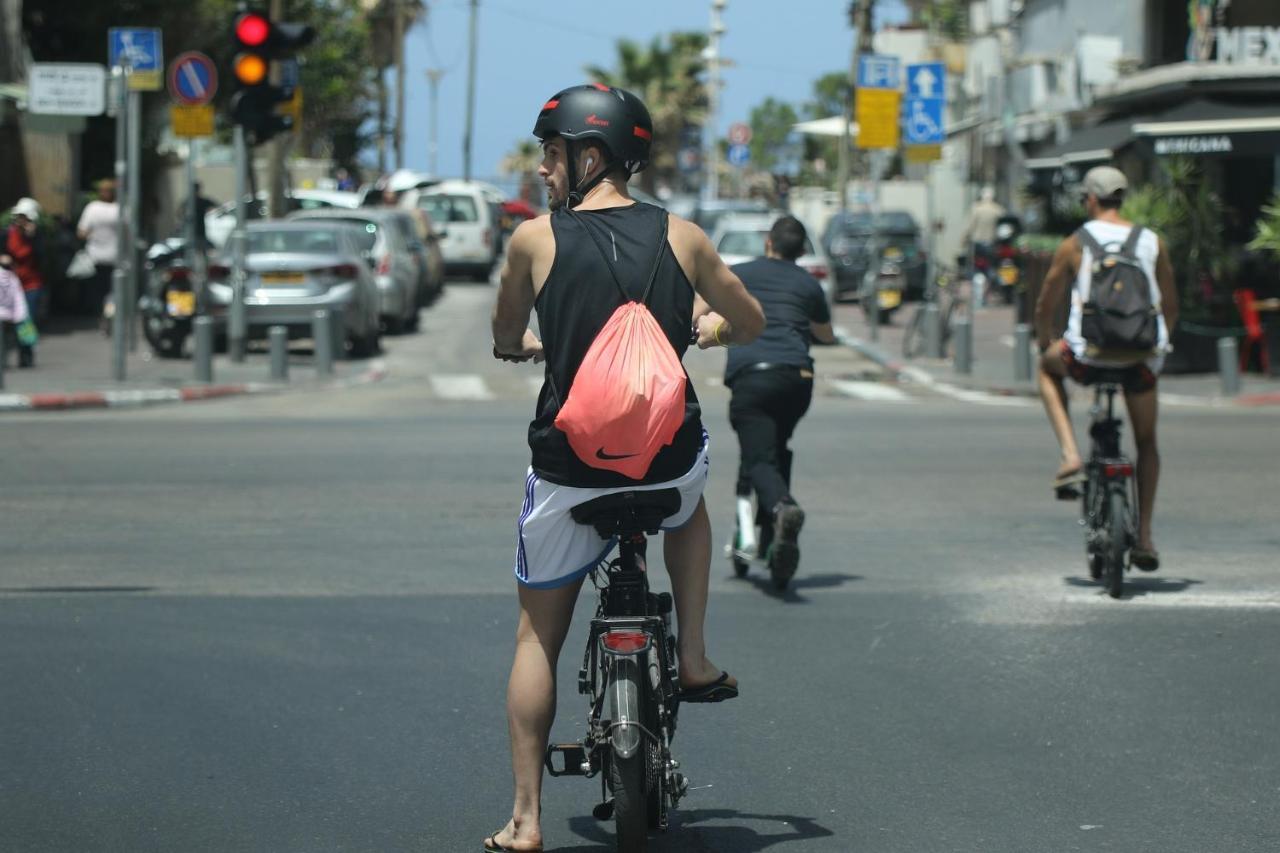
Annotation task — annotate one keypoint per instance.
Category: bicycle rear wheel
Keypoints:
(1117, 541)
(627, 782)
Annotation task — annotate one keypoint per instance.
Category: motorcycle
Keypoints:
(1008, 274)
(168, 304)
(886, 285)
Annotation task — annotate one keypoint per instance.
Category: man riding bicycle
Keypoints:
(594, 138)
(772, 384)
(1073, 269)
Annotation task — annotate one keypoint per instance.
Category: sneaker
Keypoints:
(784, 553)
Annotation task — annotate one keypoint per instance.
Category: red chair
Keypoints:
(1253, 337)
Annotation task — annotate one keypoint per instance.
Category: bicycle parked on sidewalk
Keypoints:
(945, 292)
(629, 674)
(1108, 509)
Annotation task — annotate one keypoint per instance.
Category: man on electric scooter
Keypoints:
(569, 266)
(772, 384)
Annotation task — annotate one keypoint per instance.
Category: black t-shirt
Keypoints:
(576, 301)
(792, 299)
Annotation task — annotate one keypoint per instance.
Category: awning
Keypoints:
(1091, 145)
(1203, 128)
(833, 126)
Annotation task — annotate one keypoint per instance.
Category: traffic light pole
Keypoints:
(119, 344)
(135, 218)
(237, 324)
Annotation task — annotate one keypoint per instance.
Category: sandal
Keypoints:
(1147, 559)
(491, 845)
(717, 691)
(1066, 485)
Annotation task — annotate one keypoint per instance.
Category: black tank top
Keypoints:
(576, 301)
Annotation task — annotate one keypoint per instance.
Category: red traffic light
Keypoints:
(252, 29)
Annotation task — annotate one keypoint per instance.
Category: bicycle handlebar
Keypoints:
(514, 359)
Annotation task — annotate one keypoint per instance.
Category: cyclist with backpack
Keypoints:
(613, 283)
(1123, 305)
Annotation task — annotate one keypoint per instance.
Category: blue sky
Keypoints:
(529, 51)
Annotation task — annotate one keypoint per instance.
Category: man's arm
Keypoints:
(511, 310)
(1168, 288)
(1056, 283)
(822, 333)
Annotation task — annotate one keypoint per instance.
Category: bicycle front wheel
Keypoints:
(1117, 541)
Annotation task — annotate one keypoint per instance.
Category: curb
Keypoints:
(139, 397)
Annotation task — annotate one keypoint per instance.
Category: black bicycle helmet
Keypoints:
(614, 117)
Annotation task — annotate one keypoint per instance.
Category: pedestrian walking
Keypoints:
(99, 227)
(21, 256)
(14, 319)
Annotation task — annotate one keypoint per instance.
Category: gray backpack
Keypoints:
(1119, 315)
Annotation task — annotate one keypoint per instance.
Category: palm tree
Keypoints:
(666, 75)
(523, 160)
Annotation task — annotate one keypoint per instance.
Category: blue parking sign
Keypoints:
(139, 49)
(739, 155)
(878, 72)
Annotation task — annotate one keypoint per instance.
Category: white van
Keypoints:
(468, 211)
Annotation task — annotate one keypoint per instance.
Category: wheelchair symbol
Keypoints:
(133, 54)
(921, 125)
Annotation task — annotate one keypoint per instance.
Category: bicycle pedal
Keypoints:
(574, 760)
(1068, 493)
(603, 811)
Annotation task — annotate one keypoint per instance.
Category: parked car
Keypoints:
(295, 268)
(387, 239)
(706, 215)
(739, 238)
(469, 212)
(846, 240)
(221, 220)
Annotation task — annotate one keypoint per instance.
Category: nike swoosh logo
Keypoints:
(600, 454)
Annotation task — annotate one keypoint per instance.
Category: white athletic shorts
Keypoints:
(552, 549)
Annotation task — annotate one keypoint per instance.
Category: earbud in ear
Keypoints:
(590, 162)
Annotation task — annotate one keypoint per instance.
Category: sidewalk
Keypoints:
(993, 362)
(73, 370)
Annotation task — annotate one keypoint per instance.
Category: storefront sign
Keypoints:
(1194, 145)
(1248, 45)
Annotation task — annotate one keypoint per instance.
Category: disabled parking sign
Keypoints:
(141, 51)
(925, 105)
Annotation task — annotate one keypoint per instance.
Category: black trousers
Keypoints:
(765, 407)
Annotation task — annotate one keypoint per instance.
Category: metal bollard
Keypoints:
(322, 337)
(1229, 366)
(1022, 352)
(4, 355)
(279, 336)
(119, 339)
(873, 316)
(203, 357)
(963, 335)
(932, 331)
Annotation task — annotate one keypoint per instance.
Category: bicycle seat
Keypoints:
(628, 513)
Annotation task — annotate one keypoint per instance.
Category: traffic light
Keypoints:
(259, 41)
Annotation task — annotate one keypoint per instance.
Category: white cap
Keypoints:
(27, 207)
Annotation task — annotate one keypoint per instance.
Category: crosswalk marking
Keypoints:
(873, 391)
(980, 397)
(460, 387)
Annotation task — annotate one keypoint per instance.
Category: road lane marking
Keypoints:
(872, 391)
(980, 397)
(460, 387)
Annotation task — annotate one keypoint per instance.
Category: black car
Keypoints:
(846, 240)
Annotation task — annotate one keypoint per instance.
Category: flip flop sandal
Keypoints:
(1066, 486)
(717, 691)
(1146, 559)
(491, 845)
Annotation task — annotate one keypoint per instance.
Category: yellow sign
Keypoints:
(145, 81)
(877, 112)
(191, 121)
(292, 107)
(923, 153)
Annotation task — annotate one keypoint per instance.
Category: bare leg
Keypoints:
(545, 615)
(688, 556)
(1142, 413)
(1053, 393)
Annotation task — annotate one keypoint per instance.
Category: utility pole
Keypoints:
(397, 37)
(860, 20)
(433, 143)
(279, 145)
(710, 142)
(471, 92)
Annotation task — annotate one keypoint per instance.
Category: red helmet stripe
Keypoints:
(642, 133)
(550, 105)
(602, 87)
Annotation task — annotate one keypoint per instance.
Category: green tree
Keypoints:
(667, 75)
(830, 94)
(771, 123)
(523, 160)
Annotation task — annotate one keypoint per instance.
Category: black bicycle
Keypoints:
(629, 673)
(1108, 508)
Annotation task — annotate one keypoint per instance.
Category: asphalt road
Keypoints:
(284, 623)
